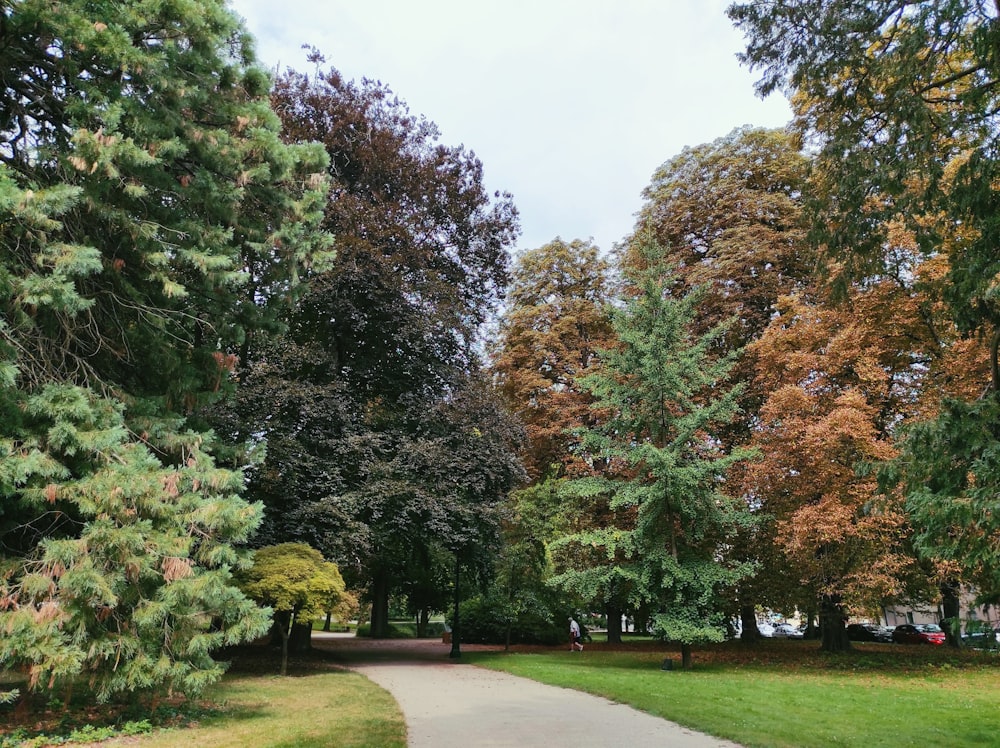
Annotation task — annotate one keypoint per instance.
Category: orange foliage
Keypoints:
(835, 376)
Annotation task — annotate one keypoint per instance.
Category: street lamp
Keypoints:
(456, 651)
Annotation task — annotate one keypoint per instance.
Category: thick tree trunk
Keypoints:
(686, 656)
(614, 614)
(833, 625)
(284, 649)
(951, 606)
(642, 620)
(380, 606)
(423, 618)
(812, 631)
(749, 633)
(300, 640)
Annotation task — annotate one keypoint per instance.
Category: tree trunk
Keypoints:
(423, 618)
(300, 639)
(326, 622)
(749, 633)
(380, 606)
(833, 625)
(285, 633)
(951, 606)
(812, 631)
(686, 656)
(642, 619)
(995, 362)
(614, 614)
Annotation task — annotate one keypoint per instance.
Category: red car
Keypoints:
(918, 633)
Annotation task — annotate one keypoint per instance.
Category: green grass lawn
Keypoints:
(779, 693)
(789, 694)
(313, 711)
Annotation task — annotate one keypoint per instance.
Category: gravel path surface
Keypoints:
(448, 704)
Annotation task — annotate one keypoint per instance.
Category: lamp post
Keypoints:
(456, 651)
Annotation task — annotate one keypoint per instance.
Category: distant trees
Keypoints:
(833, 366)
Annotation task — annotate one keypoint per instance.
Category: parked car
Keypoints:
(786, 631)
(868, 632)
(981, 640)
(918, 633)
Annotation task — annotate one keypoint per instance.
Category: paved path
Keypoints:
(448, 704)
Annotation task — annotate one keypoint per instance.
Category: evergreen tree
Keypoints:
(150, 219)
(661, 394)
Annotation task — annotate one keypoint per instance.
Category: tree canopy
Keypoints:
(384, 444)
(295, 582)
(143, 188)
(556, 321)
(901, 99)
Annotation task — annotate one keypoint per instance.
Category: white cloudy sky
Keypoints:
(570, 104)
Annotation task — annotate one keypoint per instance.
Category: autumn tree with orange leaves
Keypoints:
(901, 102)
(839, 377)
(556, 321)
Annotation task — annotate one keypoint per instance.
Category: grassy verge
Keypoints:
(316, 706)
(788, 694)
(319, 710)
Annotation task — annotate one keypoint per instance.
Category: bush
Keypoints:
(405, 630)
(483, 622)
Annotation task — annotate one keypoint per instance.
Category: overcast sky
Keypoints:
(571, 105)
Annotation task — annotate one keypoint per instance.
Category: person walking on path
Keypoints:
(574, 635)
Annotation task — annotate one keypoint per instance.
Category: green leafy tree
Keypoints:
(141, 179)
(729, 216)
(535, 516)
(295, 582)
(665, 464)
(948, 471)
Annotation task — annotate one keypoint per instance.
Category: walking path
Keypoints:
(448, 704)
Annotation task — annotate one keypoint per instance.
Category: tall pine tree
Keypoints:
(662, 396)
(150, 218)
